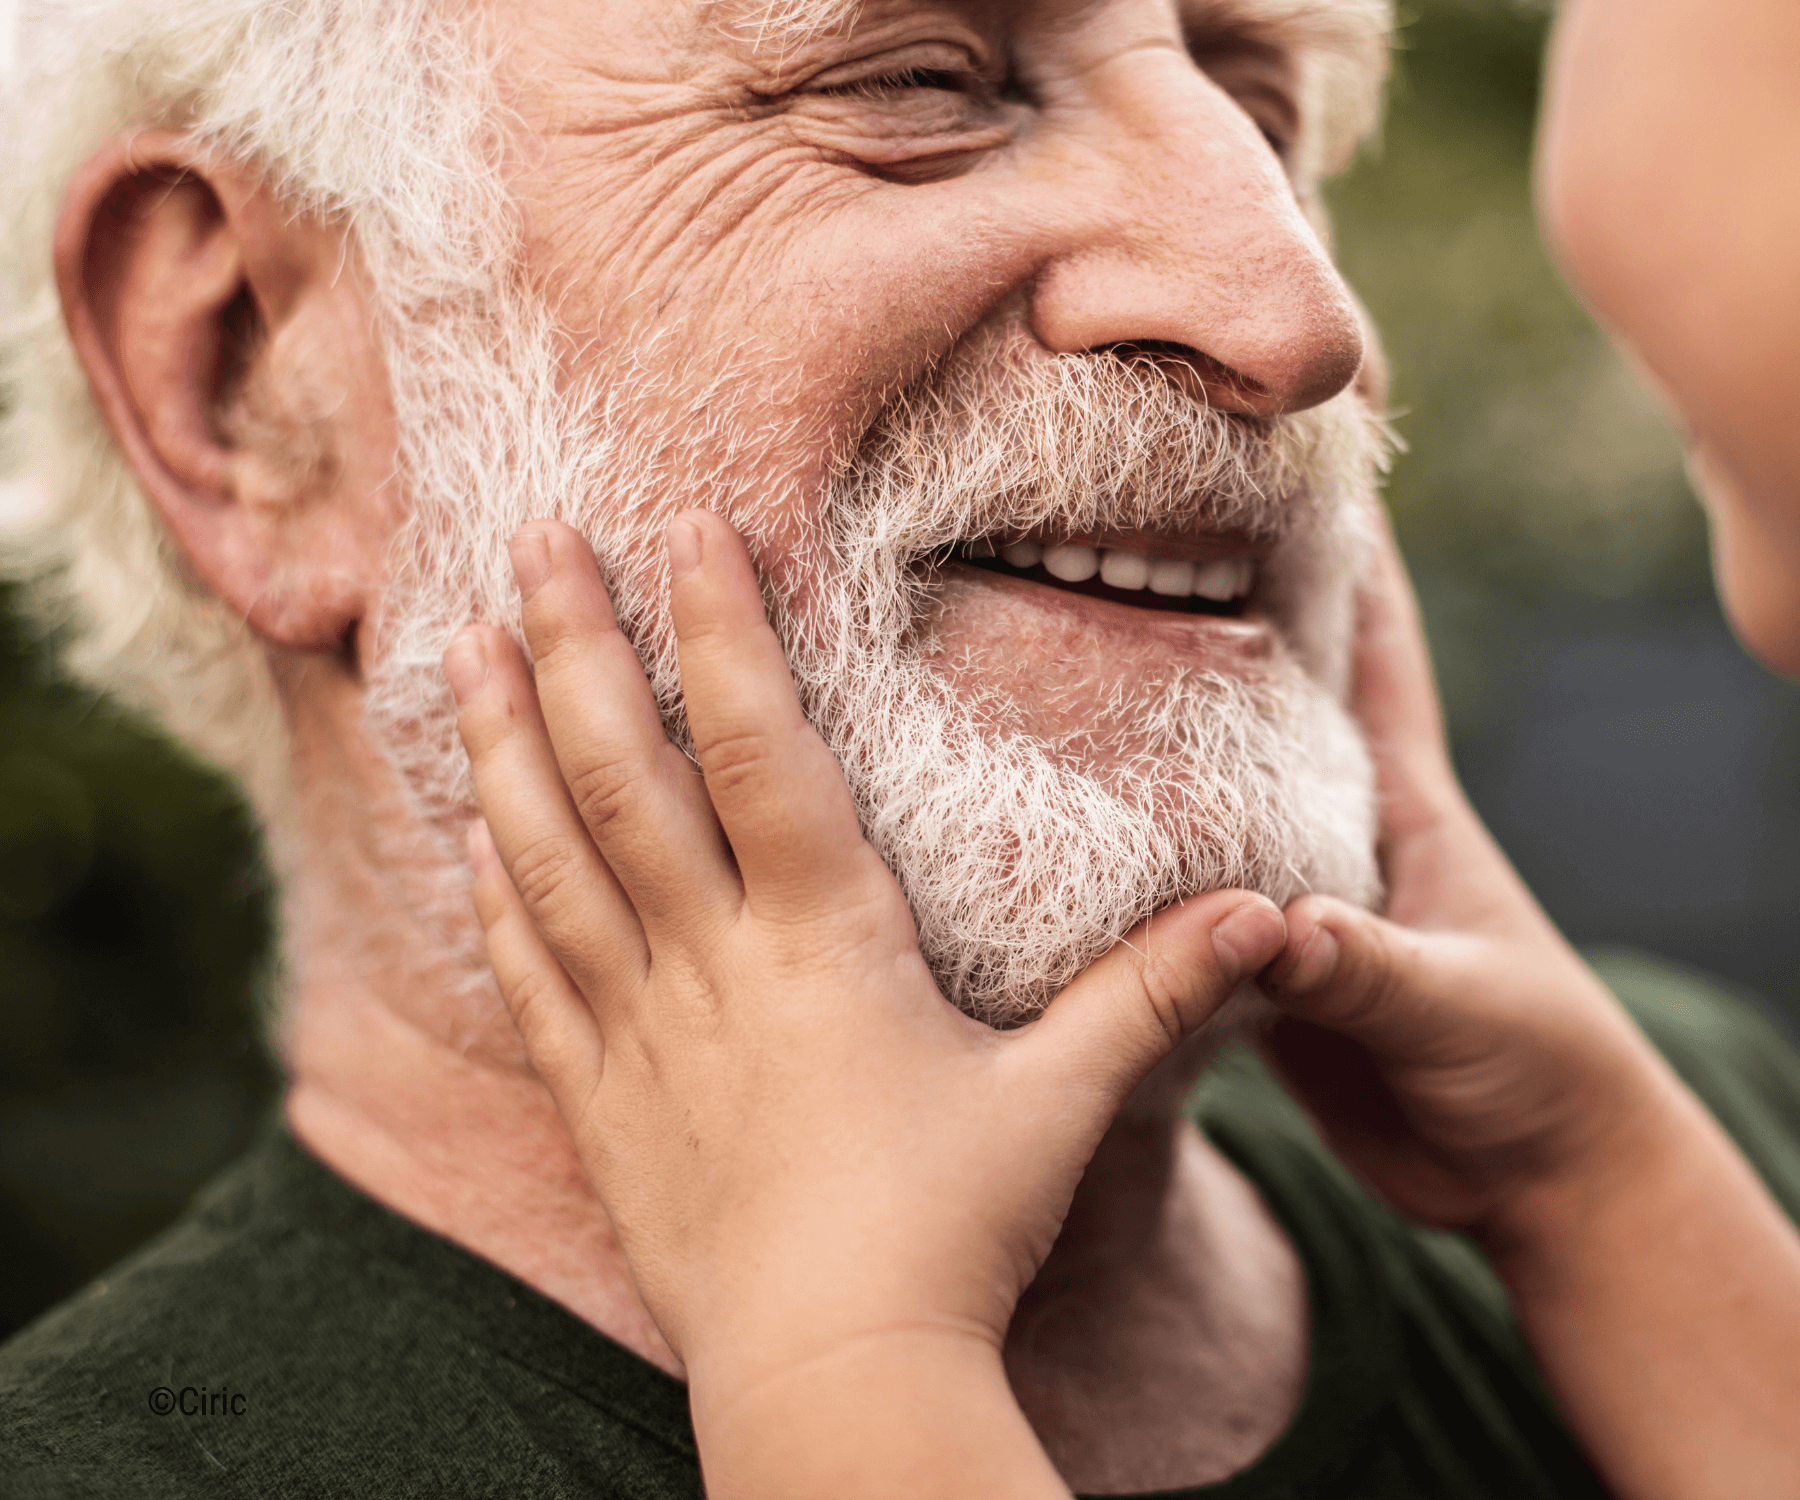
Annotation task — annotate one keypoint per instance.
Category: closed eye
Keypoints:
(895, 83)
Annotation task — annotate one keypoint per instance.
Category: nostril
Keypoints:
(1158, 348)
(1200, 375)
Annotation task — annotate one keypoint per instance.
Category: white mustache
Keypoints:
(1021, 863)
(1004, 442)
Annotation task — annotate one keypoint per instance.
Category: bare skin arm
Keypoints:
(1465, 1062)
(832, 1186)
(842, 1323)
(1496, 1085)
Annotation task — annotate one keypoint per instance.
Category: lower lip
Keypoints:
(1213, 637)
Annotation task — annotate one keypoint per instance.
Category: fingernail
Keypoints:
(1249, 937)
(531, 561)
(466, 665)
(481, 844)
(684, 547)
(1317, 962)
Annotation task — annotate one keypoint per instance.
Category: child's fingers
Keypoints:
(637, 793)
(559, 1028)
(776, 787)
(1154, 989)
(565, 885)
(1365, 978)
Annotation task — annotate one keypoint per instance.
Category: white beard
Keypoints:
(1022, 860)
(1021, 868)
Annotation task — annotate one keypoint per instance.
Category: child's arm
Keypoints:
(1461, 1057)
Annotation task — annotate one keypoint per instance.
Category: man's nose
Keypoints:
(1188, 239)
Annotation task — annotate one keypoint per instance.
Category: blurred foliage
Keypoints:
(133, 934)
(134, 925)
(1538, 468)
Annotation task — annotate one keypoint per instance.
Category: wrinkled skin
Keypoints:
(1095, 174)
(823, 237)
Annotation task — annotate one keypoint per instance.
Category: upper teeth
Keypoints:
(1222, 579)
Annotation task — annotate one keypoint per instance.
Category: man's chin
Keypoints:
(1028, 847)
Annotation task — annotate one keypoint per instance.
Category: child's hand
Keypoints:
(808, 1154)
(1464, 1061)
(1458, 1053)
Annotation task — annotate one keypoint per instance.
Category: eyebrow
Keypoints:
(1342, 46)
(1327, 22)
(783, 24)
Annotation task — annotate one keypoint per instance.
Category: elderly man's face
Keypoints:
(842, 209)
(1001, 331)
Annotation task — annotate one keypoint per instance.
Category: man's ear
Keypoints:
(228, 346)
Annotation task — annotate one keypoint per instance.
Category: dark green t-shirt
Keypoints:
(291, 1338)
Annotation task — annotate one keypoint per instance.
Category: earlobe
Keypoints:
(212, 325)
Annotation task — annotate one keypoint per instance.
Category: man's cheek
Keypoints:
(633, 232)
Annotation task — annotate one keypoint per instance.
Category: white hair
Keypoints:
(373, 112)
(1023, 855)
(1343, 49)
(379, 114)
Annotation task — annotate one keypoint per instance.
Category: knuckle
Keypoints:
(530, 999)
(1384, 973)
(569, 644)
(836, 929)
(486, 726)
(1381, 977)
(711, 635)
(604, 792)
(1170, 997)
(737, 761)
(553, 636)
(543, 872)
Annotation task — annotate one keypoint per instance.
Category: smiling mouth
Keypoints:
(1220, 587)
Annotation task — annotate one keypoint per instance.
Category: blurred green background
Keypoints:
(1642, 771)
(1644, 774)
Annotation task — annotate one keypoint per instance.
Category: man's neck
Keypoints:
(473, 1152)
(1164, 1342)
(408, 1080)
(1162, 1345)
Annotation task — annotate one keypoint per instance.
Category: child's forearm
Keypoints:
(902, 1415)
(1661, 1292)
